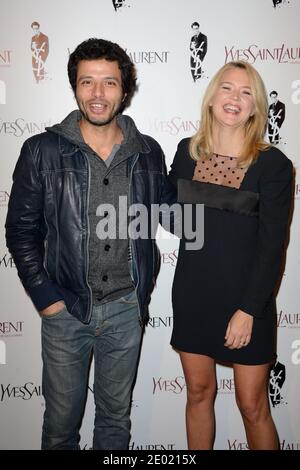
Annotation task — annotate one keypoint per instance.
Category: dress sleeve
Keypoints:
(274, 210)
(180, 167)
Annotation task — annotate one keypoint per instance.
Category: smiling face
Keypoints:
(99, 93)
(233, 103)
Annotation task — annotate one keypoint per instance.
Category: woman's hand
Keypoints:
(239, 330)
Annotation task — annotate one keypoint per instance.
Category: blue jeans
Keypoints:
(113, 336)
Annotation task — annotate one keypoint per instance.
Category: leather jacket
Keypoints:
(47, 226)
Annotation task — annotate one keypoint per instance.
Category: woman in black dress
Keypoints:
(223, 301)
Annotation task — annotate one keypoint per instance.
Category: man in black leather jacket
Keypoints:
(67, 216)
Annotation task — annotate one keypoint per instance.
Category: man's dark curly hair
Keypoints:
(93, 49)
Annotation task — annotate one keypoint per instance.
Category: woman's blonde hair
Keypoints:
(201, 145)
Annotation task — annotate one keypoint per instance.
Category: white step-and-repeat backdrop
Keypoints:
(174, 68)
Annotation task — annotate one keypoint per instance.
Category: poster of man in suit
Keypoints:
(276, 2)
(119, 4)
(276, 116)
(277, 379)
(39, 50)
(198, 48)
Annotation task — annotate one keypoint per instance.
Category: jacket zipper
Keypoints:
(132, 244)
(88, 236)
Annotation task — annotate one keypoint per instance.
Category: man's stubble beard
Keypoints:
(95, 122)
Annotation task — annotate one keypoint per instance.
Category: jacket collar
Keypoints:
(70, 138)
